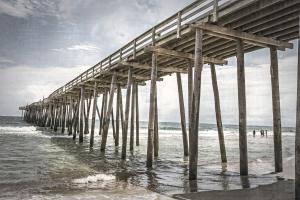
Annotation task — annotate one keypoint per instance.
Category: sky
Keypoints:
(45, 44)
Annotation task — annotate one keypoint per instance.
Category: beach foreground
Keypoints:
(276, 191)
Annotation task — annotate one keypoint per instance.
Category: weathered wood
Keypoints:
(182, 116)
(94, 115)
(132, 112)
(127, 105)
(156, 136)
(137, 116)
(81, 115)
(86, 124)
(297, 137)
(76, 119)
(276, 110)
(113, 124)
(148, 67)
(218, 113)
(108, 113)
(121, 109)
(63, 125)
(242, 108)
(117, 118)
(103, 111)
(190, 89)
(193, 155)
(184, 55)
(246, 37)
(151, 112)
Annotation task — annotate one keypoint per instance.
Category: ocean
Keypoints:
(36, 163)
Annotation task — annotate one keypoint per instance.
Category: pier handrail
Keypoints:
(172, 25)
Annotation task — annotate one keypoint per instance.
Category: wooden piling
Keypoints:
(137, 116)
(117, 118)
(113, 124)
(182, 115)
(193, 156)
(151, 112)
(276, 110)
(81, 114)
(127, 105)
(103, 111)
(218, 113)
(297, 139)
(63, 125)
(94, 115)
(242, 108)
(156, 136)
(108, 112)
(190, 88)
(86, 124)
(121, 109)
(131, 142)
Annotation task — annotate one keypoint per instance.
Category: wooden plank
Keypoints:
(276, 110)
(127, 105)
(184, 55)
(193, 156)
(246, 37)
(242, 109)
(218, 113)
(151, 112)
(182, 116)
(94, 115)
(108, 113)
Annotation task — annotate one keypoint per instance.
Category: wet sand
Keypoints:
(281, 190)
(276, 191)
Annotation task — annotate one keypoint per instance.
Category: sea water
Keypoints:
(36, 163)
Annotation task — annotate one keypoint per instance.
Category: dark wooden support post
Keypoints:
(297, 139)
(81, 114)
(113, 124)
(86, 124)
(76, 119)
(182, 116)
(108, 112)
(218, 113)
(156, 136)
(94, 115)
(276, 110)
(127, 105)
(103, 111)
(63, 125)
(137, 116)
(119, 95)
(121, 109)
(190, 91)
(193, 156)
(151, 112)
(242, 108)
(71, 118)
(56, 118)
(132, 117)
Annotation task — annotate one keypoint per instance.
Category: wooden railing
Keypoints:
(172, 25)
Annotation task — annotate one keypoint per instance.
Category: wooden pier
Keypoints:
(204, 32)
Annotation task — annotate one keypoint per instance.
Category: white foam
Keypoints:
(94, 178)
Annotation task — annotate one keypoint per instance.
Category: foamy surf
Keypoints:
(94, 179)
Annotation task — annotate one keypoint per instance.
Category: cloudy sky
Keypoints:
(44, 44)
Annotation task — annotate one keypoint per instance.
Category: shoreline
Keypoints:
(282, 189)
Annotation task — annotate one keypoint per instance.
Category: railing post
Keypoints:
(134, 49)
(179, 25)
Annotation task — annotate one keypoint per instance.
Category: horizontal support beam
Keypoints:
(137, 77)
(223, 32)
(99, 81)
(148, 67)
(178, 54)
